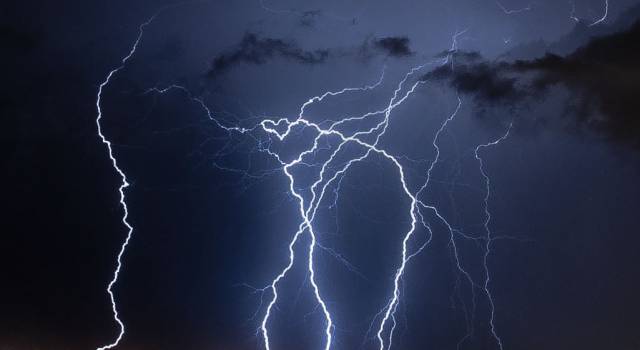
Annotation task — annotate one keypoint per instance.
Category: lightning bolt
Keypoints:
(392, 304)
(489, 238)
(330, 174)
(309, 213)
(604, 16)
(123, 183)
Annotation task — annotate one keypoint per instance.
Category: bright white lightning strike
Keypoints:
(123, 184)
(307, 209)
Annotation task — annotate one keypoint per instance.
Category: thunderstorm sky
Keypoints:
(509, 157)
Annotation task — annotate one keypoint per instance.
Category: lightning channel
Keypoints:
(513, 11)
(123, 183)
(604, 16)
(489, 238)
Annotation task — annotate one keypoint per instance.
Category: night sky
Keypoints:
(213, 212)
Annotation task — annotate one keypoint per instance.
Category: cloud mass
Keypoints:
(602, 75)
(257, 50)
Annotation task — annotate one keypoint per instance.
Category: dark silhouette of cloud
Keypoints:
(257, 50)
(484, 80)
(254, 49)
(394, 46)
(603, 75)
(581, 34)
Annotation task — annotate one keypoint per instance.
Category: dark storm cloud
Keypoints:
(603, 75)
(394, 46)
(257, 50)
(391, 46)
(581, 34)
(483, 79)
(254, 49)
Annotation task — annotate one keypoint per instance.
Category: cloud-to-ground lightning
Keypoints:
(123, 184)
(367, 141)
(489, 238)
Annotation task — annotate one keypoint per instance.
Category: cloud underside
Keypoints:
(603, 77)
(257, 50)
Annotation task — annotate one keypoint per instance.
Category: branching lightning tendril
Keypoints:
(604, 16)
(511, 11)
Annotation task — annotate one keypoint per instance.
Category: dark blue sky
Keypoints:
(213, 214)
